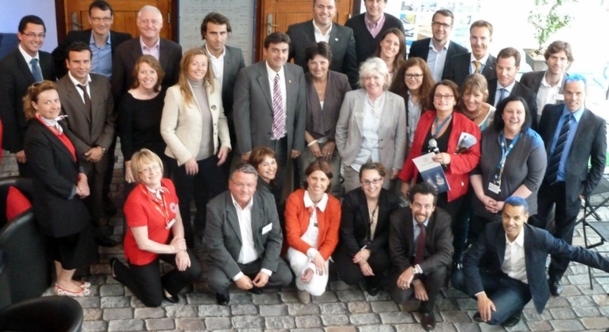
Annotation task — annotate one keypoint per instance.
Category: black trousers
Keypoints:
(219, 282)
(433, 281)
(351, 273)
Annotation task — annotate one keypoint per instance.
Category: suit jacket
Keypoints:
(458, 68)
(15, 78)
(519, 90)
(182, 124)
(355, 221)
(57, 209)
(342, 44)
(60, 55)
(532, 80)
(88, 130)
(461, 164)
(253, 107)
(438, 243)
(487, 254)
(589, 143)
(392, 129)
(365, 44)
(233, 63)
(336, 88)
(127, 53)
(420, 48)
(223, 233)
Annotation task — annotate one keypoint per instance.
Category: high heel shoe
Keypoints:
(64, 292)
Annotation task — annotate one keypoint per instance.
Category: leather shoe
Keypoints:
(512, 321)
(255, 290)
(171, 298)
(373, 290)
(477, 318)
(428, 320)
(222, 298)
(555, 288)
(105, 241)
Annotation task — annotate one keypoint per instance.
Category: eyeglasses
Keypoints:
(443, 25)
(33, 35)
(416, 76)
(445, 97)
(242, 185)
(100, 19)
(371, 182)
(150, 169)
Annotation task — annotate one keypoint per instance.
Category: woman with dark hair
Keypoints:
(514, 164)
(140, 111)
(392, 50)
(363, 248)
(413, 81)
(263, 160)
(59, 187)
(326, 90)
(474, 93)
(312, 219)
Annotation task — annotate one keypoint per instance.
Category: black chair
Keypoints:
(51, 313)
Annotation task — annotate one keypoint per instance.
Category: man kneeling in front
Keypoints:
(506, 267)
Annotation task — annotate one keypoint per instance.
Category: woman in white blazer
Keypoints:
(196, 132)
(371, 126)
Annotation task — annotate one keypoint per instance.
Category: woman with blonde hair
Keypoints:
(474, 93)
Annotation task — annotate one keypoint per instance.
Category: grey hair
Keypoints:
(244, 168)
(371, 66)
(149, 8)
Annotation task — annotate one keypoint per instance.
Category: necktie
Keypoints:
(478, 65)
(554, 162)
(36, 70)
(420, 254)
(503, 95)
(278, 115)
(86, 97)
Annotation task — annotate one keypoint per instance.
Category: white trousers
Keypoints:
(299, 263)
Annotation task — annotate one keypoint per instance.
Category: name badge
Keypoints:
(267, 228)
(169, 224)
(494, 188)
(559, 96)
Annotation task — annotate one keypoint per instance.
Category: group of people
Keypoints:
(346, 120)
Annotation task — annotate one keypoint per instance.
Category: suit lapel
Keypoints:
(291, 90)
(231, 216)
(228, 63)
(582, 129)
(75, 99)
(334, 38)
(263, 80)
(555, 117)
(55, 140)
(24, 67)
(500, 241)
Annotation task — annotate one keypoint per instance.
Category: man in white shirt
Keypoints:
(243, 238)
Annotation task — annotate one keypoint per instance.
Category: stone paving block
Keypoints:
(555, 302)
(126, 325)
(580, 301)
(532, 315)
(586, 311)
(410, 306)
(114, 302)
(363, 319)
(455, 316)
(324, 298)
(216, 323)
(562, 313)
(490, 328)
(467, 304)
(191, 324)
(595, 322)
(298, 309)
(92, 314)
(580, 279)
(543, 325)
(396, 317)
(307, 321)
(266, 298)
(443, 327)
(160, 324)
(567, 325)
(200, 298)
(601, 300)
(333, 308)
(289, 297)
(178, 311)
(339, 285)
(334, 320)
(273, 310)
(604, 310)
(89, 301)
(241, 298)
(111, 290)
(95, 326)
(376, 328)
(280, 322)
(381, 296)
(117, 313)
(446, 305)
(359, 307)
(307, 330)
(247, 322)
(244, 309)
(212, 310)
(145, 313)
(350, 295)
(384, 306)
(340, 329)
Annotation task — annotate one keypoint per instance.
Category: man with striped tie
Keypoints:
(572, 135)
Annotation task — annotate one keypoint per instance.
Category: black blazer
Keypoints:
(59, 53)
(336, 89)
(57, 208)
(365, 44)
(127, 53)
(519, 90)
(355, 221)
(459, 68)
(342, 44)
(438, 246)
(589, 143)
(420, 48)
(15, 78)
(487, 254)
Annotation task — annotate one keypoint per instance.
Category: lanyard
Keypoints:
(158, 204)
(504, 153)
(438, 128)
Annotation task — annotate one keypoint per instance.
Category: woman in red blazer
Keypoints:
(312, 220)
(444, 126)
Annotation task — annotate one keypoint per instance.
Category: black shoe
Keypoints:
(428, 320)
(105, 241)
(222, 298)
(512, 321)
(171, 298)
(113, 261)
(255, 290)
(477, 318)
(555, 288)
(373, 290)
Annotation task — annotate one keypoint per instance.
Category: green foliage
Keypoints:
(547, 18)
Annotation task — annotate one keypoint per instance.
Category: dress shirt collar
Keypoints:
(27, 57)
(432, 46)
(273, 72)
(577, 114)
(154, 47)
(213, 57)
(375, 25)
(546, 84)
(519, 239)
(308, 203)
(92, 40)
(317, 31)
(415, 223)
(483, 61)
(508, 88)
(76, 82)
(238, 207)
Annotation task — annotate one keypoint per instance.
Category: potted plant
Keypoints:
(547, 17)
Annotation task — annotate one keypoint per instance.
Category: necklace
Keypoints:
(475, 116)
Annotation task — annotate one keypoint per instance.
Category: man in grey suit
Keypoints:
(87, 101)
(270, 105)
(549, 84)
(321, 28)
(243, 238)
(226, 61)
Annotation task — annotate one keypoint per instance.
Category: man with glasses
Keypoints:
(18, 70)
(243, 238)
(438, 50)
(100, 39)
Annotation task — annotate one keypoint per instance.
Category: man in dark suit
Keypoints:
(100, 38)
(321, 28)
(505, 268)
(479, 60)
(508, 64)
(368, 28)
(574, 137)
(226, 61)
(549, 84)
(421, 250)
(243, 238)
(18, 70)
(439, 50)
(270, 105)
(87, 100)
